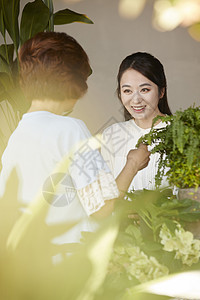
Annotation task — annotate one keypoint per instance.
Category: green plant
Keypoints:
(154, 247)
(27, 270)
(36, 16)
(26, 267)
(178, 145)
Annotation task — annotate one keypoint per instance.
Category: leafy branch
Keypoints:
(178, 145)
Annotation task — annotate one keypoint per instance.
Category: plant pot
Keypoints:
(193, 194)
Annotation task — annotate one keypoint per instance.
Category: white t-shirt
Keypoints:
(118, 140)
(39, 144)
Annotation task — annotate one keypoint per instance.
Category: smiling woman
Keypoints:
(142, 89)
(140, 96)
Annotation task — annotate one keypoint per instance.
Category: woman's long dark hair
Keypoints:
(150, 67)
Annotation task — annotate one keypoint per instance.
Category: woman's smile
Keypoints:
(138, 109)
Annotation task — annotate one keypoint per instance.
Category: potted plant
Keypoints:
(178, 144)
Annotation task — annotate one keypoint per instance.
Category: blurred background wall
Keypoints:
(111, 38)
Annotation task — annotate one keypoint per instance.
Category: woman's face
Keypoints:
(140, 96)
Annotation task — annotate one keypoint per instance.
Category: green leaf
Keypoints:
(151, 246)
(175, 285)
(4, 66)
(9, 216)
(100, 246)
(5, 82)
(7, 52)
(194, 31)
(2, 26)
(10, 13)
(67, 16)
(35, 17)
(49, 4)
(10, 92)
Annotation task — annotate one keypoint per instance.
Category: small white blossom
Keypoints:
(144, 268)
(182, 242)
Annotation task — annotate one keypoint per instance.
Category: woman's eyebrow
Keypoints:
(143, 84)
(126, 85)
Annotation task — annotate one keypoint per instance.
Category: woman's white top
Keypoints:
(37, 146)
(118, 140)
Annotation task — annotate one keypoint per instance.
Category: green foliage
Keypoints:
(31, 21)
(27, 270)
(67, 16)
(6, 57)
(151, 245)
(178, 145)
(157, 244)
(10, 10)
(88, 273)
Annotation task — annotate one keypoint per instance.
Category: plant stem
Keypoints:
(6, 47)
(49, 4)
(7, 59)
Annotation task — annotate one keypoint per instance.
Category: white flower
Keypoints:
(182, 242)
(142, 267)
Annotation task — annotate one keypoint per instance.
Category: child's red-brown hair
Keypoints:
(53, 66)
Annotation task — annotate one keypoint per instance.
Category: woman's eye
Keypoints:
(127, 91)
(145, 90)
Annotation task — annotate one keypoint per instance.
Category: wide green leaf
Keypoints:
(67, 16)
(10, 13)
(35, 17)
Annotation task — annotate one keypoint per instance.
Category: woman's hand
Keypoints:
(139, 157)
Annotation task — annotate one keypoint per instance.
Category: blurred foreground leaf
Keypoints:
(181, 285)
(33, 268)
(194, 31)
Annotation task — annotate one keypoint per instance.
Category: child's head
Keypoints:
(53, 66)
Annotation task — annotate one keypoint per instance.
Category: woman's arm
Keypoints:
(137, 159)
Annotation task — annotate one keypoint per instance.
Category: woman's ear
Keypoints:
(162, 92)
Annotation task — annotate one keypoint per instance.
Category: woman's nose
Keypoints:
(136, 98)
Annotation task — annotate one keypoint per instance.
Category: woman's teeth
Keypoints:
(139, 108)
